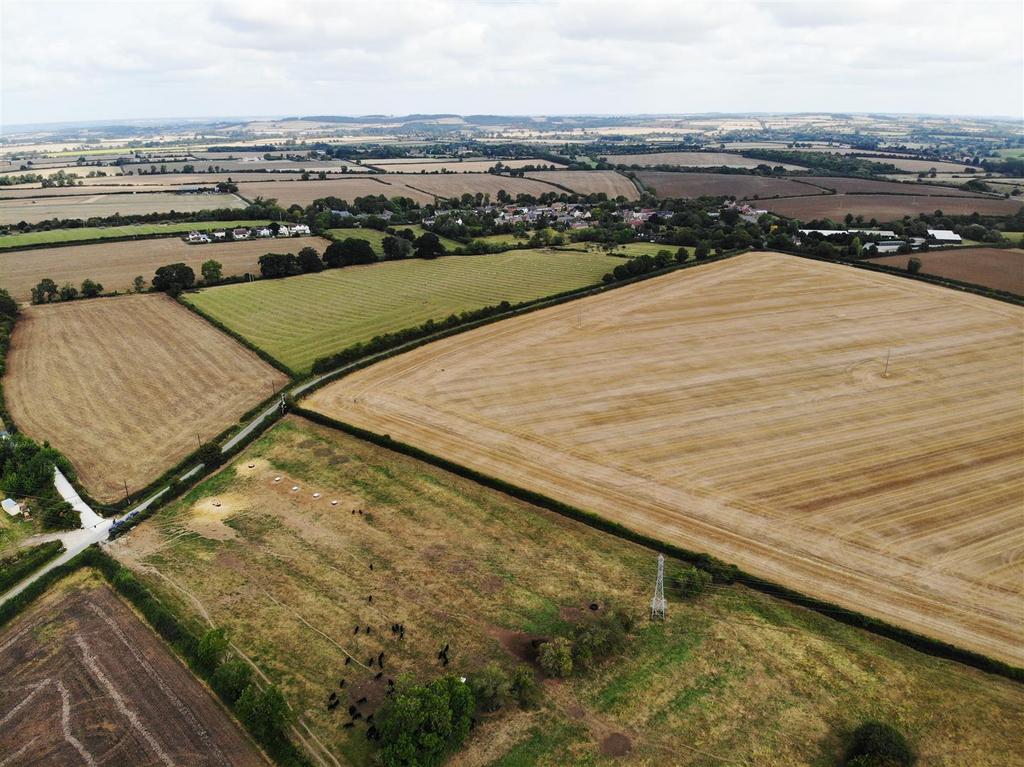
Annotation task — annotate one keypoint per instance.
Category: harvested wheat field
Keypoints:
(304, 192)
(86, 682)
(589, 182)
(458, 184)
(740, 408)
(125, 387)
(999, 268)
(116, 264)
(887, 207)
(91, 205)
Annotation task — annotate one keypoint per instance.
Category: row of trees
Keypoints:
(47, 292)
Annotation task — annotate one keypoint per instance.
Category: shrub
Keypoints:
(422, 724)
(914, 265)
(211, 649)
(231, 678)
(490, 686)
(524, 688)
(210, 455)
(690, 582)
(264, 712)
(555, 657)
(600, 638)
(876, 744)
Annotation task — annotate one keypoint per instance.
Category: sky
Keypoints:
(84, 61)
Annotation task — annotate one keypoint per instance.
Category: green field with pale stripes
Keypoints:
(298, 319)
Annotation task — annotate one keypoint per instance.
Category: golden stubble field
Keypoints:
(126, 387)
(742, 408)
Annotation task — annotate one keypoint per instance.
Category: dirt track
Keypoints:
(86, 682)
(124, 386)
(741, 408)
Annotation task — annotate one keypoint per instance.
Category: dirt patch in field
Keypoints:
(208, 516)
(616, 744)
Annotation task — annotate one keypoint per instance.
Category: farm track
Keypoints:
(741, 409)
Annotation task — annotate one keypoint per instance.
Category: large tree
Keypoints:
(211, 271)
(428, 245)
(309, 260)
(422, 724)
(349, 251)
(174, 278)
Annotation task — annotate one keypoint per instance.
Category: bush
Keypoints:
(524, 688)
(914, 265)
(210, 455)
(264, 712)
(490, 686)
(422, 724)
(601, 638)
(211, 649)
(690, 582)
(555, 657)
(231, 678)
(876, 744)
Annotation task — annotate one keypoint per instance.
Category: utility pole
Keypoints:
(658, 603)
(127, 498)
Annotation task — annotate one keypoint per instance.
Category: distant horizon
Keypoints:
(211, 119)
(142, 61)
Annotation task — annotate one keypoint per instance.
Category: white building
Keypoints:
(11, 506)
(300, 229)
(264, 232)
(283, 231)
(944, 236)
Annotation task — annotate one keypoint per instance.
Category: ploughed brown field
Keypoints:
(126, 387)
(116, 264)
(887, 207)
(85, 682)
(999, 268)
(669, 184)
(694, 160)
(743, 408)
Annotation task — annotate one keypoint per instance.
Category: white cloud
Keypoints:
(62, 61)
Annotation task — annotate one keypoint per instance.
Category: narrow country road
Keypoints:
(94, 528)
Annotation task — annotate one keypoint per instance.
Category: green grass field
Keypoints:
(733, 678)
(56, 236)
(299, 319)
(376, 238)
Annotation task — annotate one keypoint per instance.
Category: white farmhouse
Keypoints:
(300, 230)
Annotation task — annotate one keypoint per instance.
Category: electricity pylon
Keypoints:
(658, 602)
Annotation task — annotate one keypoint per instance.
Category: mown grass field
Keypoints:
(301, 318)
(376, 238)
(56, 236)
(735, 677)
